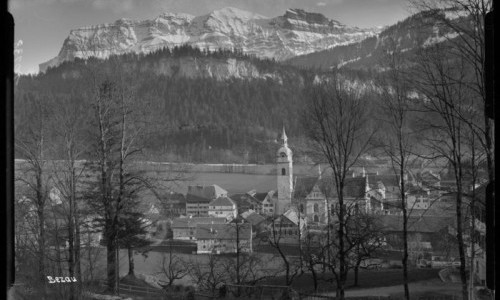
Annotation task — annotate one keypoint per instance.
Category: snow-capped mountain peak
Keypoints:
(296, 32)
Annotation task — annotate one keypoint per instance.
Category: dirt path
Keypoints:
(434, 285)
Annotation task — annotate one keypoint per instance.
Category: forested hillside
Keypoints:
(186, 116)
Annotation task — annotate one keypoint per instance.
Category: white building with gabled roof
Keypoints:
(199, 197)
(223, 207)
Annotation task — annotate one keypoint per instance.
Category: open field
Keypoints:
(424, 289)
(368, 279)
(150, 264)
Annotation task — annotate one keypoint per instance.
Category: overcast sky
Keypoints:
(42, 25)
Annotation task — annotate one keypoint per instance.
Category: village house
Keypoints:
(257, 221)
(174, 204)
(268, 207)
(429, 179)
(223, 207)
(426, 234)
(288, 228)
(185, 228)
(199, 197)
(418, 198)
(388, 185)
(376, 192)
(248, 201)
(223, 238)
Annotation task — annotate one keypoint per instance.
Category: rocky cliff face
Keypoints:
(295, 33)
(190, 67)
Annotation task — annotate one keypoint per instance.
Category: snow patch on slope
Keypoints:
(439, 39)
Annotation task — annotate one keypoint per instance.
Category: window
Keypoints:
(315, 208)
(315, 218)
(283, 154)
(283, 171)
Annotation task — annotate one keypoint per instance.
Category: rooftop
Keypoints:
(193, 222)
(253, 218)
(303, 186)
(222, 201)
(206, 191)
(425, 224)
(388, 180)
(230, 231)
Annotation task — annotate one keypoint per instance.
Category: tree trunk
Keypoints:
(111, 260)
(78, 264)
(315, 278)
(71, 250)
(356, 273)
(41, 245)
(89, 257)
(460, 239)
(342, 255)
(131, 261)
(405, 250)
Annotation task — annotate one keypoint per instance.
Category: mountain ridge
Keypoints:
(294, 33)
(407, 36)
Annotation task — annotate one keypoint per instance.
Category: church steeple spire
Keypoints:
(284, 137)
(284, 172)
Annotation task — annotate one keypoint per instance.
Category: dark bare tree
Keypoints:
(279, 230)
(397, 142)
(209, 276)
(466, 21)
(66, 122)
(30, 143)
(336, 121)
(312, 255)
(365, 236)
(245, 268)
(447, 106)
(173, 267)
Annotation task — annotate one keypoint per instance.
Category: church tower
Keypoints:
(284, 164)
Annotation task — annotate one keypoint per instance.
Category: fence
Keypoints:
(315, 297)
(145, 291)
(258, 292)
